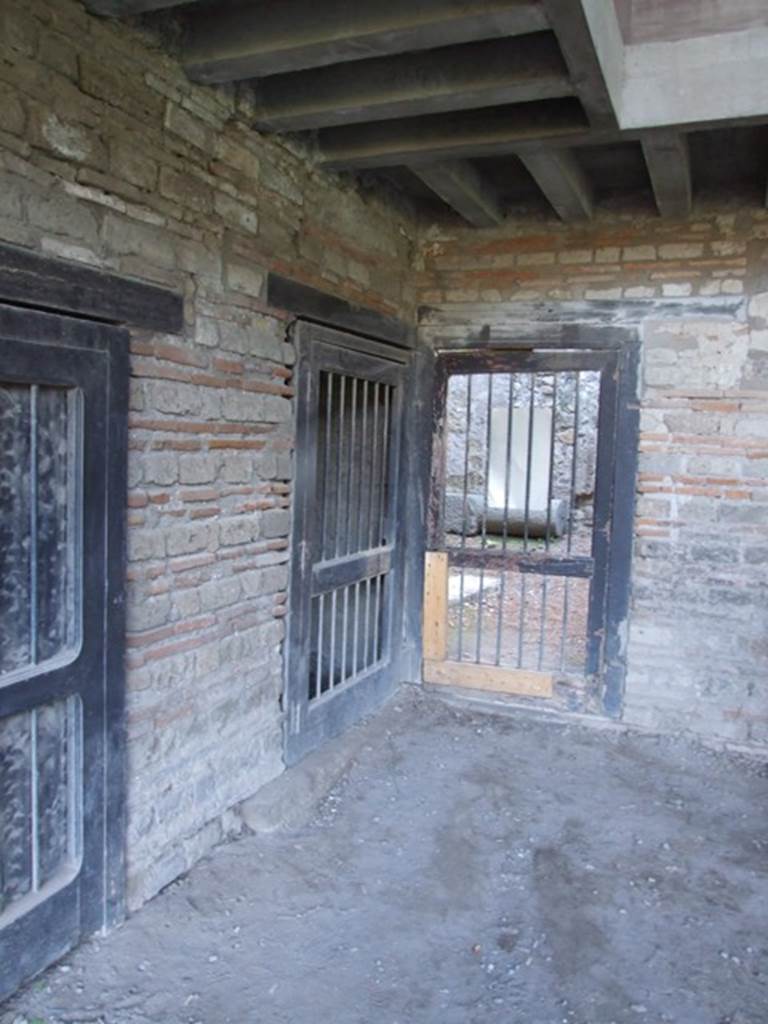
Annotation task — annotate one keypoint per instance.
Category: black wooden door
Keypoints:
(63, 396)
(347, 550)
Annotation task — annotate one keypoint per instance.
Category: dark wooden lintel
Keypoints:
(531, 562)
(38, 281)
(322, 307)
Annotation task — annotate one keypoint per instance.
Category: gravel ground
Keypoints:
(468, 867)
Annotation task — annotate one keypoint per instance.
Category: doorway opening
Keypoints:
(525, 569)
(347, 534)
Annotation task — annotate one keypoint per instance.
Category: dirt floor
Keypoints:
(467, 868)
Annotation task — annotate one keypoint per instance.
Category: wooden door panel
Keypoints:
(63, 398)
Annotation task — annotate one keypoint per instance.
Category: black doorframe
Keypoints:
(308, 724)
(49, 349)
(50, 302)
(622, 344)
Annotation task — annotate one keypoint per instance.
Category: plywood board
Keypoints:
(518, 682)
(436, 605)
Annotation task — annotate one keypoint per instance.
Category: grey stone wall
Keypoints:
(696, 634)
(698, 637)
(467, 436)
(109, 156)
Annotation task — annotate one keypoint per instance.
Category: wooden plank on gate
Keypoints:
(436, 605)
(517, 682)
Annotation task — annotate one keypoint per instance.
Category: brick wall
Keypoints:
(110, 157)
(698, 654)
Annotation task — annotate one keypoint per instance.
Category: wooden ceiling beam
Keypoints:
(669, 166)
(465, 190)
(492, 72)
(563, 182)
(126, 8)
(569, 23)
(226, 43)
(415, 141)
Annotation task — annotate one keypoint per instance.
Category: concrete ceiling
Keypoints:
(484, 106)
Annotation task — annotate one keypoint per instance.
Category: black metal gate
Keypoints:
(63, 401)
(347, 563)
(533, 476)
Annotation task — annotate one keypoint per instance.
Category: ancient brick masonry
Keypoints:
(697, 650)
(210, 471)
(109, 156)
(699, 624)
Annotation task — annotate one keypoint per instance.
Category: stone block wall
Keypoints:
(698, 292)
(109, 156)
(698, 641)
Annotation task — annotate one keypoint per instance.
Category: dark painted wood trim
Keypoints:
(615, 350)
(619, 583)
(325, 308)
(29, 279)
(517, 561)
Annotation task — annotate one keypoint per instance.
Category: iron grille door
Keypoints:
(346, 538)
(63, 398)
(522, 513)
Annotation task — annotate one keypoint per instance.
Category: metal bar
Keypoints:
(356, 630)
(564, 627)
(521, 622)
(529, 462)
(340, 464)
(571, 503)
(33, 609)
(74, 772)
(319, 668)
(376, 620)
(364, 491)
(441, 384)
(545, 583)
(572, 499)
(383, 517)
(464, 509)
(504, 529)
(484, 537)
(551, 461)
(367, 624)
(526, 515)
(74, 510)
(34, 810)
(542, 617)
(374, 458)
(351, 477)
(344, 633)
(326, 540)
(332, 664)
